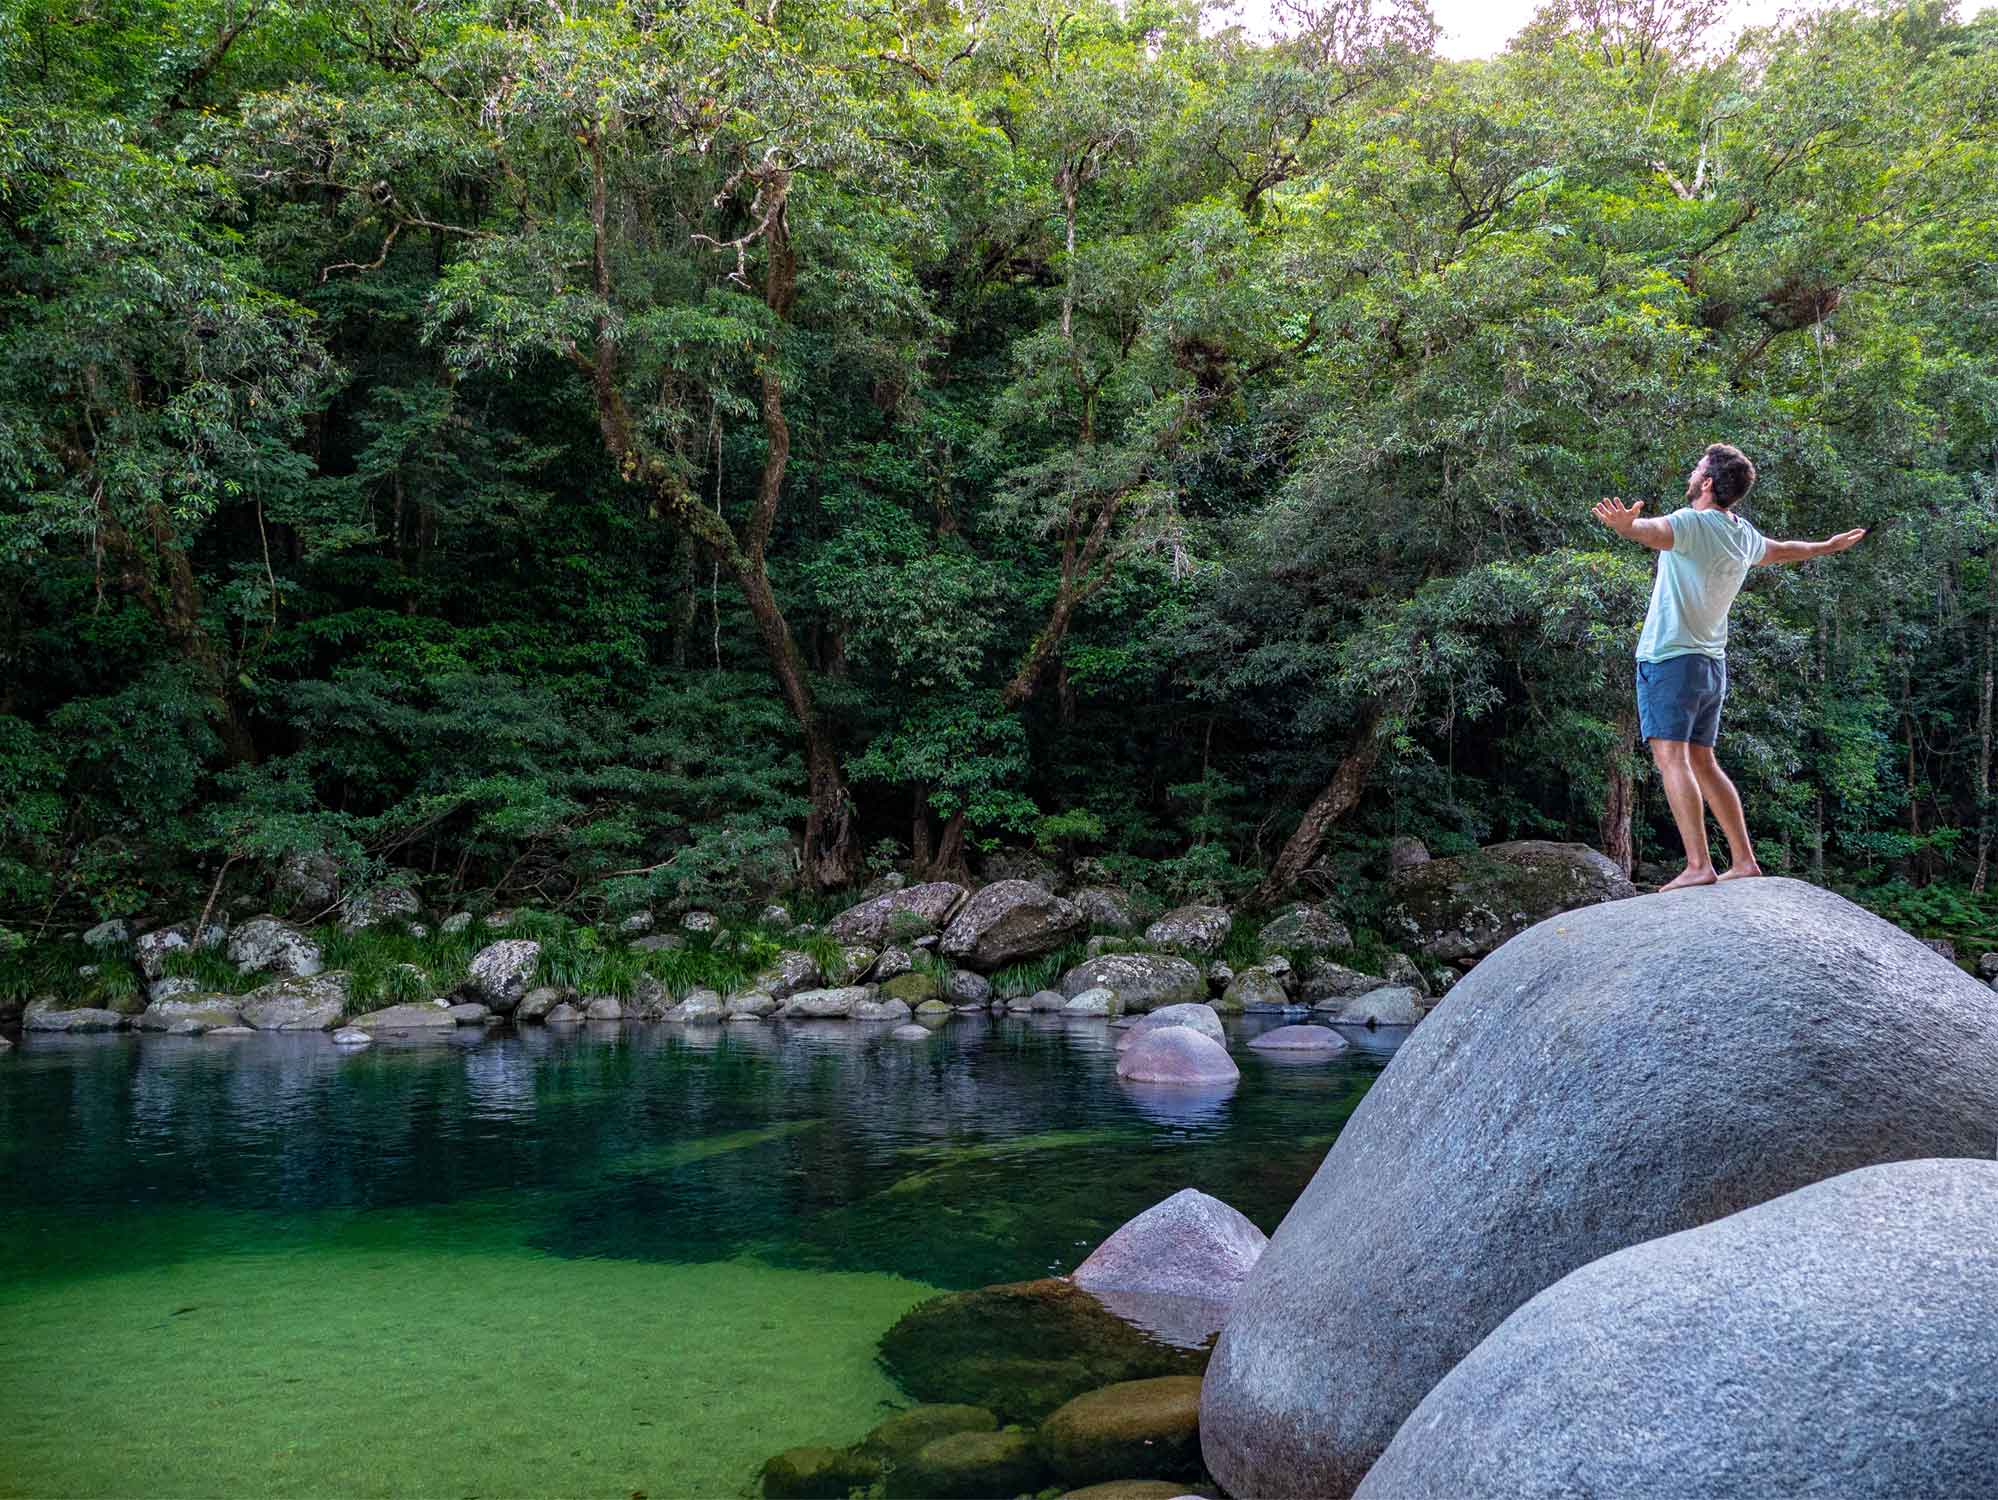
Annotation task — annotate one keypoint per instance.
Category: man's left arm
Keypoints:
(1796, 552)
(1653, 531)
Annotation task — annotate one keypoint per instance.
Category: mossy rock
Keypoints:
(1130, 1489)
(898, 1439)
(1138, 1427)
(1466, 906)
(818, 1474)
(1023, 1349)
(970, 1466)
(912, 988)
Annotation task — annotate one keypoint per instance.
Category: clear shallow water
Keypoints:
(591, 1261)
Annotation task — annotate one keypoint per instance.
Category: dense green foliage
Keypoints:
(610, 452)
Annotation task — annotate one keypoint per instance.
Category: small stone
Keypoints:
(351, 1036)
(1096, 1002)
(1300, 1039)
(564, 1014)
(911, 1033)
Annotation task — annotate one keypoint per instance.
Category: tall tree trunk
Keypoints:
(1341, 795)
(1620, 796)
(1984, 722)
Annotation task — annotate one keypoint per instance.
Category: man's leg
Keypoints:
(1682, 791)
(1726, 803)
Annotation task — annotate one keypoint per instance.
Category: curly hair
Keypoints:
(1731, 471)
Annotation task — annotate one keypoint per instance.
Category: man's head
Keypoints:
(1724, 474)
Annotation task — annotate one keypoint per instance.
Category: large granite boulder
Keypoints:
(1008, 922)
(503, 972)
(827, 1005)
(383, 904)
(1253, 989)
(1177, 1055)
(42, 1014)
(1140, 981)
(1464, 907)
(275, 947)
(1198, 929)
(1107, 907)
(190, 1015)
(1190, 1245)
(1134, 1427)
(150, 949)
(790, 972)
(1325, 979)
(1835, 1341)
(1615, 1074)
(312, 1004)
(1022, 1349)
(1305, 929)
(896, 916)
(1200, 1017)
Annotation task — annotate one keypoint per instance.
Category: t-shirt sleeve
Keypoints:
(1689, 537)
(1758, 545)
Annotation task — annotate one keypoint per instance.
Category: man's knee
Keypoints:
(1670, 753)
(1702, 757)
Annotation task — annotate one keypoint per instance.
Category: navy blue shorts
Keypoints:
(1680, 698)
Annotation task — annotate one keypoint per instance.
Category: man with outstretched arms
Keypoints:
(1704, 552)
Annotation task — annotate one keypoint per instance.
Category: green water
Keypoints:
(604, 1261)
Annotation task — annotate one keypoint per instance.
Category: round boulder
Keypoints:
(911, 1033)
(1141, 981)
(1390, 1005)
(1177, 1055)
(1007, 922)
(827, 1005)
(1615, 1074)
(1191, 1245)
(887, 1009)
(190, 1013)
(1465, 906)
(314, 1004)
(1199, 929)
(1106, 907)
(276, 947)
(1254, 989)
(1305, 929)
(906, 1433)
(700, 1005)
(790, 972)
(1096, 1002)
(503, 971)
(968, 1466)
(1836, 1340)
(1137, 1427)
(1200, 1017)
(1300, 1039)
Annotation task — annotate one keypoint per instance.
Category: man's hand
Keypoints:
(1843, 540)
(1620, 518)
(1796, 552)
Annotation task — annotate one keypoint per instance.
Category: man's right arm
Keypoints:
(1796, 552)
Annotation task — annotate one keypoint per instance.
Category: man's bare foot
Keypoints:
(1742, 870)
(1689, 877)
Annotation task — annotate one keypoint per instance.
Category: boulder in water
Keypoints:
(1140, 981)
(42, 1015)
(968, 1466)
(1178, 1055)
(1254, 989)
(827, 1005)
(420, 1017)
(1617, 1073)
(1189, 1245)
(906, 1433)
(1135, 1427)
(1200, 1017)
(314, 1004)
(1299, 1039)
(1835, 1340)
(190, 1014)
(1389, 1005)
(818, 1474)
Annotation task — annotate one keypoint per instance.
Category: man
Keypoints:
(1705, 551)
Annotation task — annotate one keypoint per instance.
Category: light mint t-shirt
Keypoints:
(1712, 551)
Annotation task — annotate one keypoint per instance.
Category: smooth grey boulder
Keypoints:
(1106, 906)
(150, 949)
(898, 915)
(1096, 1002)
(190, 1014)
(1835, 1341)
(1254, 989)
(1464, 907)
(603, 1008)
(756, 1003)
(1615, 1074)
(353, 1036)
(1177, 1055)
(1203, 929)
(1040, 1000)
(912, 1033)
(890, 1009)
(311, 1004)
(468, 1013)
(1200, 1017)
(41, 1015)
(564, 1014)
(964, 988)
(537, 1002)
(1390, 1005)
(1305, 929)
(277, 947)
(1299, 1039)
(422, 1016)
(1141, 981)
(502, 972)
(1007, 922)
(1189, 1245)
(832, 1004)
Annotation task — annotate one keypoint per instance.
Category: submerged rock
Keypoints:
(1300, 1039)
(1022, 1349)
(1836, 1340)
(1178, 1055)
(1189, 1245)
(353, 1036)
(912, 1033)
(906, 1433)
(1201, 1018)
(1617, 1073)
(968, 1466)
(818, 1474)
(1136, 1427)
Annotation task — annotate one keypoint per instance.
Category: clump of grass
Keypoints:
(32, 971)
(828, 952)
(929, 961)
(210, 968)
(379, 962)
(726, 960)
(1242, 949)
(1037, 974)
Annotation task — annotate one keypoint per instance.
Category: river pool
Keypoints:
(598, 1261)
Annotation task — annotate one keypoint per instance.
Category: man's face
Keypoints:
(1697, 480)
